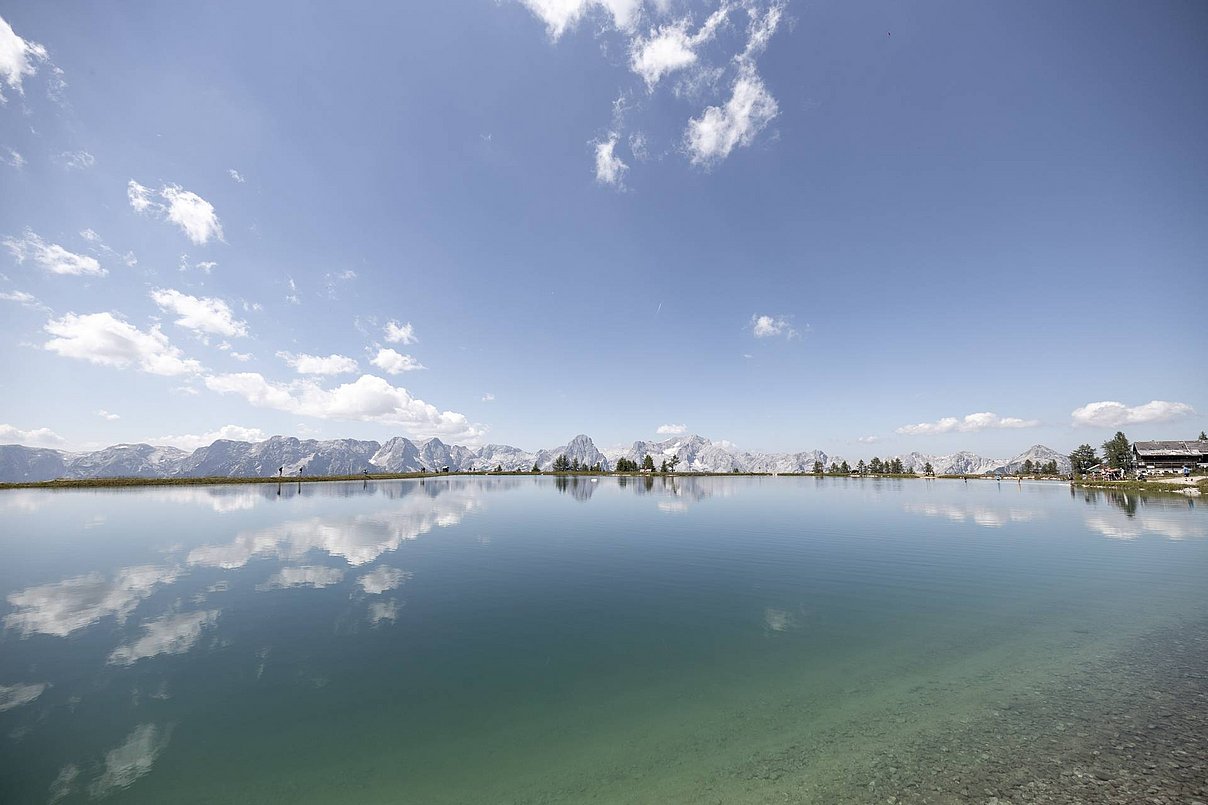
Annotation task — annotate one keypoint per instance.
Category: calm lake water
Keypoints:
(521, 639)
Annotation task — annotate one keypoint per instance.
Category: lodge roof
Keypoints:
(1190, 449)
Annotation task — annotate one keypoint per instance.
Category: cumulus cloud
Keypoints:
(1111, 414)
(967, 424)
(318, 364)
(107, 340)
(711, 137)
(560, 16)
(400, 333)
(52, 257)
(193, 214)
(488, 397)
(671, 430)
(609, 167)
(107, 415)
(19, 59)
(366, 399)
(34, 437)
(763, 326)
(395, 363)
(189, 441)
(170, 634)
(236, 176)
(201, 313)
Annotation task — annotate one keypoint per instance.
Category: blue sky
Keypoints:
(865, 228)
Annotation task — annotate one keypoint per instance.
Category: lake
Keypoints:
(517, 639)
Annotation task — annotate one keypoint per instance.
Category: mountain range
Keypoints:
(233, 459)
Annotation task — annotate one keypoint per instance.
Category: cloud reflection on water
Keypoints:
(67, 606)
(984, 516)
(132, 759)
(170, 634)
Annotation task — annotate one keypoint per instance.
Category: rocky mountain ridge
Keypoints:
(232, 459)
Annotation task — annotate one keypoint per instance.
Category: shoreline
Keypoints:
(1178, 486)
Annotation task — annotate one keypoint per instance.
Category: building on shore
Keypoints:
(1159, 456)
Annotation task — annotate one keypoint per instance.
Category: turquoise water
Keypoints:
(521, 639)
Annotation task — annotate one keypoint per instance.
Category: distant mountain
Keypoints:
(232, 459)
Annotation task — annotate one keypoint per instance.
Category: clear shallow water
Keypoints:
(537, 639)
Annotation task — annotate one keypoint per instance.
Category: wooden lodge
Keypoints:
(1167, 456)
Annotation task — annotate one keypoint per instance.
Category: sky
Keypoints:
(866, 228)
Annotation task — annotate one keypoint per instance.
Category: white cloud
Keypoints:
(670, 47)
(967, 424)
(11, 157)
(77, 160)
(609, 167)
(395, 363)
(638, 146)
(488, 397)
(61, 608)
(763, 326)
(193, 214)
(34, 437)
(19, 58)
(236, 175)
(52, 257)
(719, 130)
(203, 314)
(24, 300)
(318, 364)
(292, 296)
(107, 340)
(400, 333)
(367, 399)
(206, 266)
(99, 246)
(242, 357)
(170, 634)
(190, 442)
(382, 579)
(131, 760)
(671, 430)
(560, 16)
(1111, 414)
(304, 576)
(868, 439)
(111, 417)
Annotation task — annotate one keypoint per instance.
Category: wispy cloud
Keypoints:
(193, 214)
(19, 59)
(236, 176)
(609, 167)
(200, 313)
(765, 326)
(397, 333)
(77, 160)
(1111, 414)
(967, 424)
(51, 257)
(319, 364)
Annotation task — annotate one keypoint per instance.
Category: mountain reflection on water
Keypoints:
(113, 638)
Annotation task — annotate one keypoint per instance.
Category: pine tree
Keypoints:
(875, 466)
(663, 467)
(1028, 467)
(535, 468)
(561, 463)
(818, 468)
(845, 468)
(895, 467)
(928, 469)
(1083, 458)
(648, 463)
(1203, 436)
(1118, 451)
(671, 465)
(861, 467)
